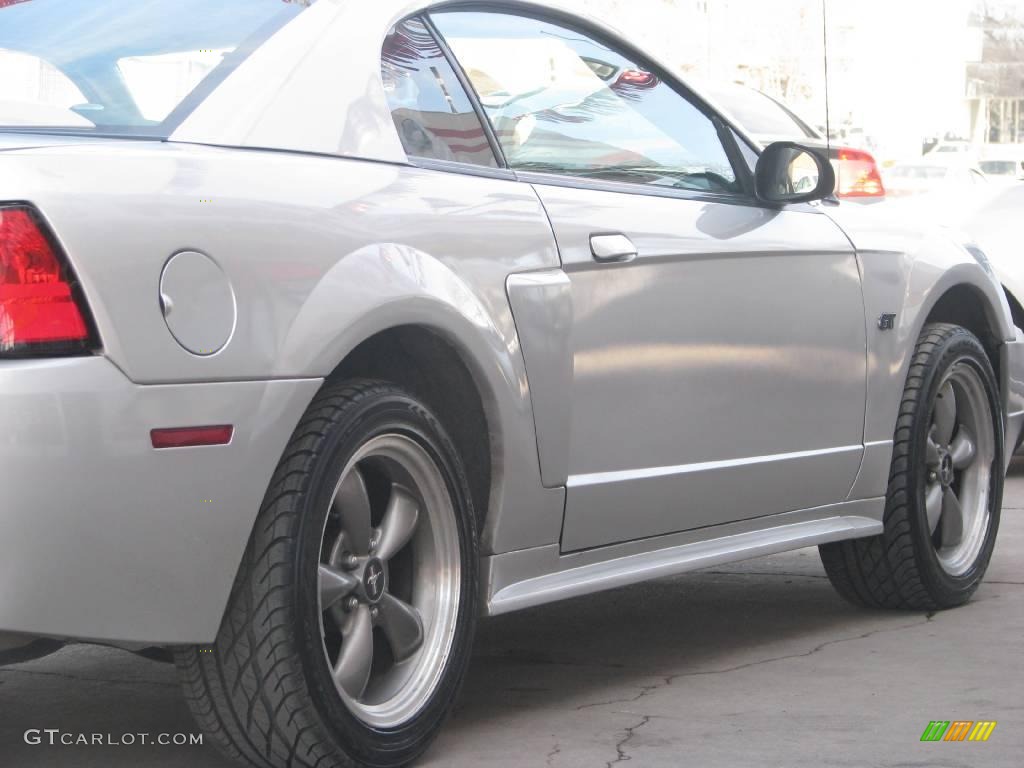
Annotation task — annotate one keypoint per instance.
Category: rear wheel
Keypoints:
(945, 485)
(350, 623)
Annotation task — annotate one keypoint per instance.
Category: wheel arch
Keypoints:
(438, 370)
(964, 304)
(920, 279)
(963, 293)
(387, 304)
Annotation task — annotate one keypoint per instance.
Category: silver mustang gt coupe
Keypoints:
(328, 328)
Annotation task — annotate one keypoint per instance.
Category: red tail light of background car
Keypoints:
(39, 311)
(857, 175)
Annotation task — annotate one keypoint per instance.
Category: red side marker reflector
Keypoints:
(187, 437)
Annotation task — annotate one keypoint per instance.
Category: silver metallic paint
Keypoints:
(906, 270)
(1011, 371)
(610, 507)
(615, 247)
(542, 305)
(873, 477)
(299, 237)
(198, 303)
(324, 252)
(519, 580)
(730, 352)
(106, 538)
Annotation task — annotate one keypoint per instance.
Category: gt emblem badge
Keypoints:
(886, 322)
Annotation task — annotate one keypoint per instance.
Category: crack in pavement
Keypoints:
(555, 751)
(620, 747)
(76, 678)
(670, 679)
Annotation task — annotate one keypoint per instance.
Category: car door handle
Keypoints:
(613, 247)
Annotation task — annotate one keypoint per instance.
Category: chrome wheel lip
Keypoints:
(396, 695)
(969, 485)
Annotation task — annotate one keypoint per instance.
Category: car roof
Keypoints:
(275, 99)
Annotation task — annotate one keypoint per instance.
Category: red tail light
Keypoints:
(857, 175)
(39, 312)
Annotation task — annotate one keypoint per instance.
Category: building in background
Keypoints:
(995, 76)
(900, 73)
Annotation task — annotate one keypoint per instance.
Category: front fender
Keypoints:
(906, 271)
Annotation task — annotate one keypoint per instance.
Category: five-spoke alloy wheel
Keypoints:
(389, 566)
(945, 484)
(959, 451)
(351, 621)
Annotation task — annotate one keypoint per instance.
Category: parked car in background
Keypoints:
(1003, 162)
(766, 119)
(1003, 170)
(920, 177)
(984, 213)
(953, 152)
(948, 147)
(406, 313)
(941, 191)
(998, 229)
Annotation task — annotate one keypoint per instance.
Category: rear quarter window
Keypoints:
(433, 114)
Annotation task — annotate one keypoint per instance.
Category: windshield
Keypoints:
(1002, 167)
(110, 67)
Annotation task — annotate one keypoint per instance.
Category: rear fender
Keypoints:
(404, 286)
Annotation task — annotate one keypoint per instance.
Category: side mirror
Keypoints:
(788, 172)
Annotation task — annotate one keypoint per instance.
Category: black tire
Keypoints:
(263, 691)
(900, 568)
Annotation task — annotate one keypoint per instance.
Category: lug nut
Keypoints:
(351, 604)
(351, 562)
(375, 612)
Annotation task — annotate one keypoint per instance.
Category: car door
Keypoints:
(718, 369)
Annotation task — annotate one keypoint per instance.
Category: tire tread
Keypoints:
(246, 691)
(884, 571)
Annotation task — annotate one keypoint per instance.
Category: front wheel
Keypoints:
(350, 623)
(945, 485)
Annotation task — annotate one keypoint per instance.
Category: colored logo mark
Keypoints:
(958, 730)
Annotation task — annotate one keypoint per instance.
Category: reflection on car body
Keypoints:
(379, 318)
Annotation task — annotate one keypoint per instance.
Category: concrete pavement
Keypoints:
(759, 664)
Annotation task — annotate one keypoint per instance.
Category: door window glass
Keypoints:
(561, 102)
(434, 116)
